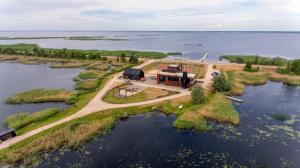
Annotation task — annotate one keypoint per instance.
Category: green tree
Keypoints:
(133, 60)
(295, 67)
(256, 59)
(248, 66)
(123, 57)
(221, 84)
(198, 95)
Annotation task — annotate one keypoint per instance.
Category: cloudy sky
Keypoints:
(150, 15)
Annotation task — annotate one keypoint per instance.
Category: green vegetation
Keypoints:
(174, 53)
(74, 133)
(198, 95)
(248, 68)
(43, 95)
(292, 68)
(237, 77)
(90, 74)
(221, 84)
(20, 120)
(68, 65)
(87, 85)
(217, 107)
(133, 60)
(255, 59)
(147, 94)
(280, 116)
(30, 38)
(191, 121)
(95, 38)
(35, 50)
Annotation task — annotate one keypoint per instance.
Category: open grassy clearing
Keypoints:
(198, 68)
(238, 78)
(20, 120)
(43, 95)
(146, 94)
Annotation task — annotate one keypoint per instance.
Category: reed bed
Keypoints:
(20, 120)
(71, 135)
(43, 95)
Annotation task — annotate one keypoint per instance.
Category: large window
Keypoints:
(176, 79)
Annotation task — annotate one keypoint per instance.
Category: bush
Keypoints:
(20, 120)
(221, 84)
(198, 95)
(248, 68)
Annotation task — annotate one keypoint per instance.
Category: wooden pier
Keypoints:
(235, 99)
(204, 57)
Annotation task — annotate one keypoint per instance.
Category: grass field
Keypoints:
(146, 94)
(43, 95)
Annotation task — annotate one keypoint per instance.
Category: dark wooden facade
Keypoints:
(174, 80)
(5, 135)
(133, 74)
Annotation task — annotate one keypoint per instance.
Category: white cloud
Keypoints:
(149, 15)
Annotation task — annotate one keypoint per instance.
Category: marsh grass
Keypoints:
(43, 95)
(191, 120)
(90, 74)
(87, 85)
(69, 64)
(98, 66)
(217, 108)
(72, 135)
(20, 120)
(239, 78)
(280, 116)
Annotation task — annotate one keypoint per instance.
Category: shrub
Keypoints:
(248, 68)
(221, 84)
(198, 95)
(20, 120)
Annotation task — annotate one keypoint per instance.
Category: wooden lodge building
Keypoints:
(174, 75)
(133, 74)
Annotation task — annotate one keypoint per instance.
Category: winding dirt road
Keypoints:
(97, 105)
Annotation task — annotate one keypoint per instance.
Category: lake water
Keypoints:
(149, 140)
(193, 45)
(15, 78)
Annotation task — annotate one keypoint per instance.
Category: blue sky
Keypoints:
(202, 15)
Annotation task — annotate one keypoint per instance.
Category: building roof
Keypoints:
(133, 71)
(177, 74)
(6, 132)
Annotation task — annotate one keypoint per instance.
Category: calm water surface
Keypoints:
(192, 44)
(149, 140)
(15, 78)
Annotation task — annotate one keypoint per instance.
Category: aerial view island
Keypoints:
(150, 84)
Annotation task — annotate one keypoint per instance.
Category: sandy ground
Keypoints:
(96, 104)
